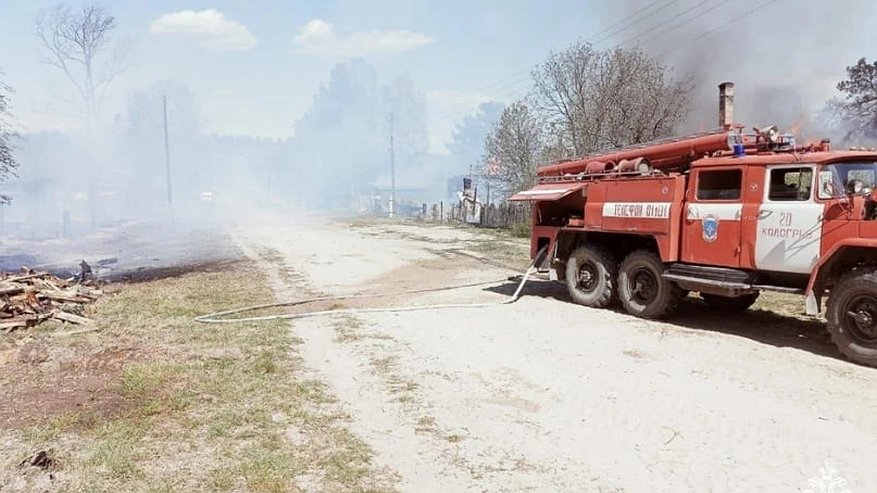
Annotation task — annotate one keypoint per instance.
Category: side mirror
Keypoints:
(825, 183)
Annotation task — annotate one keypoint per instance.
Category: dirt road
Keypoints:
(545, 395)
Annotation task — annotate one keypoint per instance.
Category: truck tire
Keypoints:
(590, 276)
(642, 290)
(852, 316)
(729, 304)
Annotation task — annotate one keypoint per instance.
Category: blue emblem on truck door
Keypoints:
(710, 228)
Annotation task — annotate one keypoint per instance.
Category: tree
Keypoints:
(467, 143)
(856, 111)
(340, 149)
(514, 147)
(340, 142)
(141, 153)
(8, 165)
(78, 44)
(143, 117)
(408, 107)
(596, 100)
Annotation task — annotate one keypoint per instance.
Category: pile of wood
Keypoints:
(29, 298)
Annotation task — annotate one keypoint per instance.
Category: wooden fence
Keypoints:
(506, 215)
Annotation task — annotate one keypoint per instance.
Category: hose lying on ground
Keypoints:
(219, 317)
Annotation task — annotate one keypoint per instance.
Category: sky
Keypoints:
(255, 66)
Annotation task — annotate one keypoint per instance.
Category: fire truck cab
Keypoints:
(726, 214)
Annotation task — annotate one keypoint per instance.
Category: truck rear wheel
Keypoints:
(642, 290)
(590, 276)
(729, 304)
(852, 317)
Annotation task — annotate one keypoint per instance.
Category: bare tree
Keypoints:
(8, 165)
(514, 146)
(78, 44)
(595, 100)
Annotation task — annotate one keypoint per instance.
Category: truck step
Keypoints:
(737, 278)
(731, 281)
(777, 289)
(695, 282)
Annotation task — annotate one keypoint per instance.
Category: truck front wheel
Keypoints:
(590, 276)
(852, 317)
(642, 290)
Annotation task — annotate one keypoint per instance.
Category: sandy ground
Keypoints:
(545, 395)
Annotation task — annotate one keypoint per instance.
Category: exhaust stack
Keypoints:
(726, 104)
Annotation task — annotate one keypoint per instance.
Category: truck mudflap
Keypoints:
(547, 192)
(811, 305)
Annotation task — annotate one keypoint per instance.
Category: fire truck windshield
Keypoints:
(850, 178)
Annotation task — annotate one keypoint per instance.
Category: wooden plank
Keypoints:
(28, 276)
(64, 296)
(11, 290)
(89, 292)
(69, 317)
(14, 323)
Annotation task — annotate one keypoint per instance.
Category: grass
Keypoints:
(347, 329)
(211, 406)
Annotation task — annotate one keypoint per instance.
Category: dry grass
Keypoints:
(513, 253)
(788, 305)
(211, 407)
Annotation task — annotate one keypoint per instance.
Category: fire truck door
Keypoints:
(712, 229)
(789, 221)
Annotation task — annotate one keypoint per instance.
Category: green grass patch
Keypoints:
(211, 405)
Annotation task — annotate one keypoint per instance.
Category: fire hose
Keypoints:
(220, 317)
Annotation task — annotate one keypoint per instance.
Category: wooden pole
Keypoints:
(167, 157)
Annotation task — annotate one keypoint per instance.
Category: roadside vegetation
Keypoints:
(155, 402)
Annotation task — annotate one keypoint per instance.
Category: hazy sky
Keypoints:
(254, 66)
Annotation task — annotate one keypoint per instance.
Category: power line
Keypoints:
(631, 16)
(513, 84)
(720, 27)
(632, 24)
(644, 11)
(671, 19)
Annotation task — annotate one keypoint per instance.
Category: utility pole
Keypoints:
(167, 158)
(392, 169)
(487, 178)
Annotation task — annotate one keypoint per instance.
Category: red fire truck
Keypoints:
(727, 214)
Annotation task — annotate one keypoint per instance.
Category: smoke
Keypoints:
(73, 184)
(784, 57)
(340, 156)
(107, 196)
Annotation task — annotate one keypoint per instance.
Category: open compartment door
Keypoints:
(548, 192)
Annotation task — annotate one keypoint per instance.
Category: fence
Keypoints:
(507, 215)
